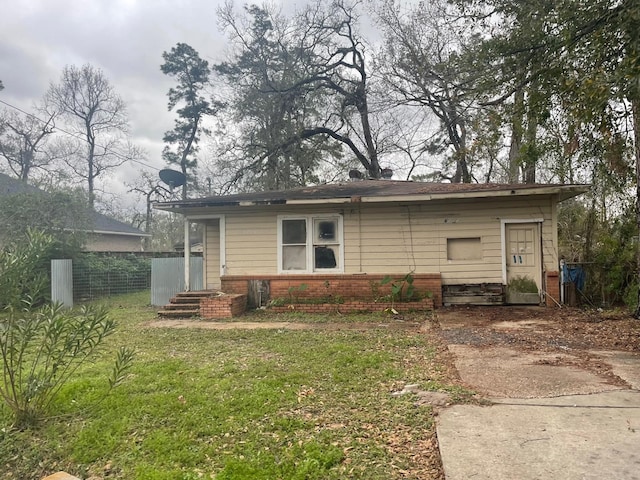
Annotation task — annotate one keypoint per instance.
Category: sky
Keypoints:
(124, 38)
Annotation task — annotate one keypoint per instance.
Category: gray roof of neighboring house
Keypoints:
(11, 186)
(375, 190)
(101, 222)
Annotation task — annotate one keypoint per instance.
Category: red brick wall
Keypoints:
(552, 281)
(224, 306)
(363, 287)
(355, 306)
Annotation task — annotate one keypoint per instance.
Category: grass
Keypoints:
(238, 404)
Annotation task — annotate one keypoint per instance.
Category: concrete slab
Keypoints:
(504, 372)
(578, 437)
(626, 365)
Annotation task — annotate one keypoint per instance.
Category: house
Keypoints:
(465, 243)
(104, 234)
(110, 235)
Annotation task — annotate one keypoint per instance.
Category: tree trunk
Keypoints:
(530, 159)
(516, 137)
(635, 112)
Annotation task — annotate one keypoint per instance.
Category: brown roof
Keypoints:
(389, 190)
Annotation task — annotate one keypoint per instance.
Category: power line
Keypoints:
(80, 137)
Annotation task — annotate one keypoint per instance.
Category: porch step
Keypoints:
(168, 313)
(184, 304)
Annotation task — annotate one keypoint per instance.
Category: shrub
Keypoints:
(24, 269)
(41, 350)
(42, 347)
(99, 275)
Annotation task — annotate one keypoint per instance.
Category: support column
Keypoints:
(187, 255)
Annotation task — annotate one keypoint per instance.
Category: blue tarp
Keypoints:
(574, 274)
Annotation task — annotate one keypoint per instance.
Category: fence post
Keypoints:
(62, 282)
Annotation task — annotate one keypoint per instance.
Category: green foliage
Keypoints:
(293, 291)
(272, 403)
(191, 72)
(41, 351)
(606, 249)
(24, 266)
(402, 289)
(64, 216)
(97, 276)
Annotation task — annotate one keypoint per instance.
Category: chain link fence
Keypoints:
(98, 276)
(93, 275)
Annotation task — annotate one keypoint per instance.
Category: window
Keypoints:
(464, 249)
(310, 244)
(294, 244)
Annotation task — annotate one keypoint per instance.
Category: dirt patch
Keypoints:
(522, 352)
(332, 326)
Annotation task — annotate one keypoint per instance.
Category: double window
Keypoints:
(310, 243)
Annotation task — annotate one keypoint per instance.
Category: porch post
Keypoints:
(187, 255)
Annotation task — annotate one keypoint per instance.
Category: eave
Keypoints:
(562, 192)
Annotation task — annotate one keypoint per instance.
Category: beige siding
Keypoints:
(395, 239)
(414, 238)
(212, 255)
(251, 240)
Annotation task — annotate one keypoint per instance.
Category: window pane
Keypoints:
(325, 257)
(325, 231)
(294, 257)
(294, 231)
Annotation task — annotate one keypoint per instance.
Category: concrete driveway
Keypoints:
(556, 413)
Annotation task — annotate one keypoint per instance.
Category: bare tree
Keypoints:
(417, 65)
(96, 116)
(147, 186)
(22, 139)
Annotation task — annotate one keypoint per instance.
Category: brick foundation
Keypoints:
(353, 306)
(223, 306)
(552, 284)
(362, 288)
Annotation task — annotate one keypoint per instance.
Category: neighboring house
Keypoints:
(104, 234)
(111, 235)
(462, 242)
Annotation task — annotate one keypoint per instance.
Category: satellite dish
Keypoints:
(173, 178)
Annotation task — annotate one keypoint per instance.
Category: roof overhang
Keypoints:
(189, 206)
(124, 234)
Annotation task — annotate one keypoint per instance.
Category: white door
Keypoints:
(524, 269)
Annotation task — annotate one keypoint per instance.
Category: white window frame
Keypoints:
(310, 219)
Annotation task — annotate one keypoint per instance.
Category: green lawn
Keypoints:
(240, 404)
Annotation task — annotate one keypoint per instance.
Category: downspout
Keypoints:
(187, 255)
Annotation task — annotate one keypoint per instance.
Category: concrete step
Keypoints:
(179, 313)
(182, 306)
(183, 300)
(197, 294)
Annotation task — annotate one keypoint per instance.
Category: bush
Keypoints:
(24, 267)
(42, 347)
(99, 275)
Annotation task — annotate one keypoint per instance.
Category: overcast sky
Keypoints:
(124, 38)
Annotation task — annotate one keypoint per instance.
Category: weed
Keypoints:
(294, 291)
(523, 285)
